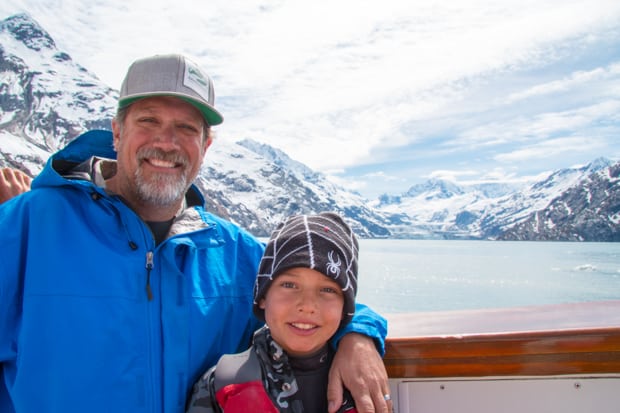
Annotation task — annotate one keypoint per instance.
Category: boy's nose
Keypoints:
(306, 303)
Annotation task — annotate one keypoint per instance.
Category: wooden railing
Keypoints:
(530, 341)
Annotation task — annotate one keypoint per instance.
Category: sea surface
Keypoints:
(399, 276)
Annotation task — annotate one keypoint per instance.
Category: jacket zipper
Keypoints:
(149, 267)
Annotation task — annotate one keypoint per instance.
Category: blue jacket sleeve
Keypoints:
(10, 293)
(367, 322)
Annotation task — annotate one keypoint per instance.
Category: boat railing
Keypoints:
(536, 359)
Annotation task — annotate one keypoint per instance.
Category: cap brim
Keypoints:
(212, 116)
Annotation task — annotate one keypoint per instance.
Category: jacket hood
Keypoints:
(96, 143)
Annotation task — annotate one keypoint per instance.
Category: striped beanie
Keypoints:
(322, 242)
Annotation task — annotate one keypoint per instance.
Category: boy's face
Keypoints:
(303, 309)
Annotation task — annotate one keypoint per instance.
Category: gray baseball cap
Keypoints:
(170, 75)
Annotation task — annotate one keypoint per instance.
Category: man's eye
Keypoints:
(288, 284)
(329, 290)
(189, 128)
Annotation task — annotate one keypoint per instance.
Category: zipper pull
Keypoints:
(149, 267)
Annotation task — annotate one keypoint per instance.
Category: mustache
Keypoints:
(175, 157)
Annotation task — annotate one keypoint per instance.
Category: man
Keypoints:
(117, 288)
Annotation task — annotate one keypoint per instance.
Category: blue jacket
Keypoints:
(77, 330)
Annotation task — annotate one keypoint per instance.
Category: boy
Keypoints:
(305, 292)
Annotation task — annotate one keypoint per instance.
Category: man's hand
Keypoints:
(359, 367)
(12, 183)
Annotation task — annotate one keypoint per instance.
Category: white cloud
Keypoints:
(382, 175)
(548, 148)
(336, 83)
(575, 80)
(451, 175)
(524, 130)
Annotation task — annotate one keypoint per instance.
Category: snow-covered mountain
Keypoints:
(47, 99)
(588, 211)
(444, 209)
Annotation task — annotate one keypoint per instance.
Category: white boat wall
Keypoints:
(536, 359)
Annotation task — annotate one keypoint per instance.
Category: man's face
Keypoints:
(160, 147)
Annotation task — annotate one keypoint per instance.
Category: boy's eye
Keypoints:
(287, 284)
(329, 290)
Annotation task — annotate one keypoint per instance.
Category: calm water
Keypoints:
(398, 276)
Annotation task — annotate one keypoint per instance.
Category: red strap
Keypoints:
(245, 397)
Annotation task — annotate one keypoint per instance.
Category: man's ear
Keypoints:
(116, 133)
(206, 145)
(261, 304)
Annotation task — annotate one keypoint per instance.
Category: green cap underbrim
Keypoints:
(211, 115)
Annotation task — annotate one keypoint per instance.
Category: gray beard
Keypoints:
(162, 190)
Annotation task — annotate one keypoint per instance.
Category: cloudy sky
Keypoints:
(380, 94)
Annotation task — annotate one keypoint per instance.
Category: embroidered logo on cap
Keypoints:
(194, 80)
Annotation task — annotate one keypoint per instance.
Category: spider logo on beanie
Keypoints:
(322, 242)
(333, 267)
